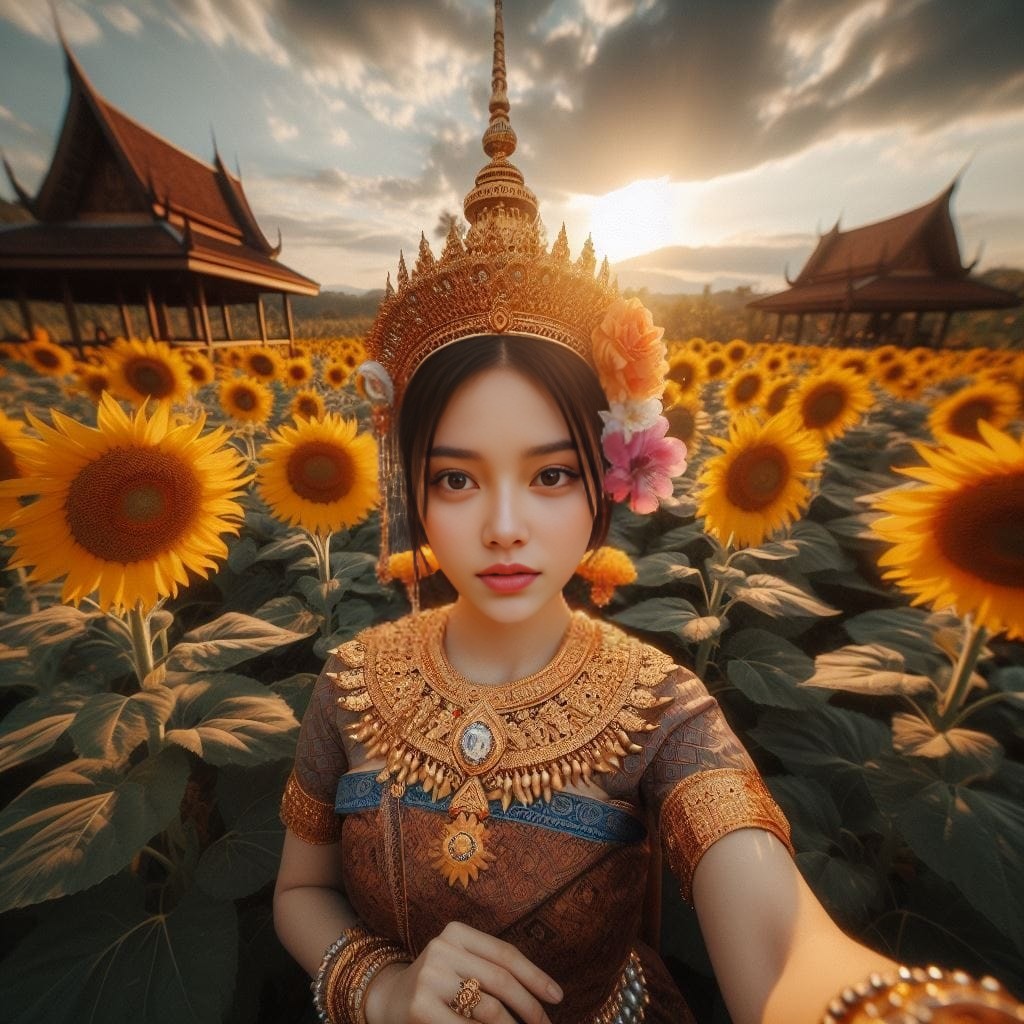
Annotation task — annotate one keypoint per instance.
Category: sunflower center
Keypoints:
(681, 423)
(716, 366)
(823, 405)
(307, 407)
(756, 477)
(964, 420)
(244, 399)
(979, 530)
(47, 358)
(150, 377)
(197, 373)
(747, 387)
(261, 365)
(132, 504)
(683, 374)
(8, 467)
(320, 472)
(777, 398)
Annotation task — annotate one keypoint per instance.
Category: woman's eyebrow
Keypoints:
(448, 452)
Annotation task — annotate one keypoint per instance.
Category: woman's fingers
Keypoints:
(492, 1011)
(505, 956)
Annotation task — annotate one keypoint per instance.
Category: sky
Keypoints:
(700, 142)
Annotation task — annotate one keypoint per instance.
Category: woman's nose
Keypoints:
(505, 524)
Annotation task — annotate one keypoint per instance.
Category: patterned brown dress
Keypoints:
(526, 810)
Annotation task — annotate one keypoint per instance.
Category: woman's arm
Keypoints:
(778, 956)
(310, 909)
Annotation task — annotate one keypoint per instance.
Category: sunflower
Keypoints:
(697, 344)
(855, 361)
(956, 539)
(246, 400)
(959, 414)
(893, 374)
(127, 508)
(736, 351)
(319, 474)
(776, 391)
(92, 380)
(606, 568)
(775, 361)
(687, 421)
(685, 374)
(262, 362)
(47, 358)
(307, 405)
(298, 371)
(830, 402)
(757, 484)
(147, 370)
(10, 464)
(336, 373)
(200, 370)
(715, 365)
(744, 389)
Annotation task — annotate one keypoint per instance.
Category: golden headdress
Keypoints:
(501, 279)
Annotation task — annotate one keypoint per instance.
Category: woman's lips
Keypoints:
(507, 579)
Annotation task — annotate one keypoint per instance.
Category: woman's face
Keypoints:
(507, 513)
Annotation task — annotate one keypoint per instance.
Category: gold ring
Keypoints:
(466, 998)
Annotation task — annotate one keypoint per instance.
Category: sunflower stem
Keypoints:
(33, 603)
(960, 683)
(704, 651)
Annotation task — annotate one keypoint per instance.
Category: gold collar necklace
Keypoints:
(522, 741)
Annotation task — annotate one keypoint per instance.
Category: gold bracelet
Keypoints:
(925, 994)
(368, 969)
(338, 980)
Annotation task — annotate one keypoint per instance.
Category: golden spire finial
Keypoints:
(500, 184)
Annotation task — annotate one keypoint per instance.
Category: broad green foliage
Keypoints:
(141, 790)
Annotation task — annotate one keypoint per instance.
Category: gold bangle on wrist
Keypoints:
(929, 995)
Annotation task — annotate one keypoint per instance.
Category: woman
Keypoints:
(499, 771)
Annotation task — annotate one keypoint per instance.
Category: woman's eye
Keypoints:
(555, 477)
(453, 481)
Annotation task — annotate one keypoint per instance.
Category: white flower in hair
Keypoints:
(630, 417)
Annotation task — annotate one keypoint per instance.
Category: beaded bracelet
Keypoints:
(319, 984)
(363, 973)
(926, 994)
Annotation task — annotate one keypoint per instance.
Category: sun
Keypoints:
(641, 217)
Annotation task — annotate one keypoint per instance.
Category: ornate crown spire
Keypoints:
(500, 187)
(500, 279)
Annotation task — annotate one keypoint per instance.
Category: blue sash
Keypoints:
(579, 816)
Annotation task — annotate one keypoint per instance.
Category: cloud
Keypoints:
(123, 19)
(247, 23)
(281, 130)
(78, 26)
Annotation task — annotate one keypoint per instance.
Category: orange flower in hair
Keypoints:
(630, 357)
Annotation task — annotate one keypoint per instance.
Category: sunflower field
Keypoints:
(185, 540)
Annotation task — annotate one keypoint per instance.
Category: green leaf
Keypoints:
(703, 628)
(231, 719)
(972, 837)
(823, 741)
(122, 962)
(112, 725)
(768, 669)
(227, 640)
(850, 892)
(775, 596)
(296, 691)
(854, 531)
(241, 554)
(810, 810)
(32, 727)
(658, 615)
(662, 568)
(246, 857)
(971, 754)
(817, 549)
(289, 613)
(1009, 679)
(680, 537)
(908, 631)
(866, 668)
(58, 624)
(289, 546)
(82, 822)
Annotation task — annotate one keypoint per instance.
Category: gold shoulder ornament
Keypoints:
(521, 741)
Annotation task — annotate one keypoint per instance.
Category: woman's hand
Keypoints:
(511, 987)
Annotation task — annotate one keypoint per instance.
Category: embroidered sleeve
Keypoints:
(697, 779)
(710, 804)
(308, 804)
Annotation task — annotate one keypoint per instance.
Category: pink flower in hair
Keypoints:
(642, 468)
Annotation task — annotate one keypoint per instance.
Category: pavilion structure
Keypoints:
(124, 219)
(904, 276)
